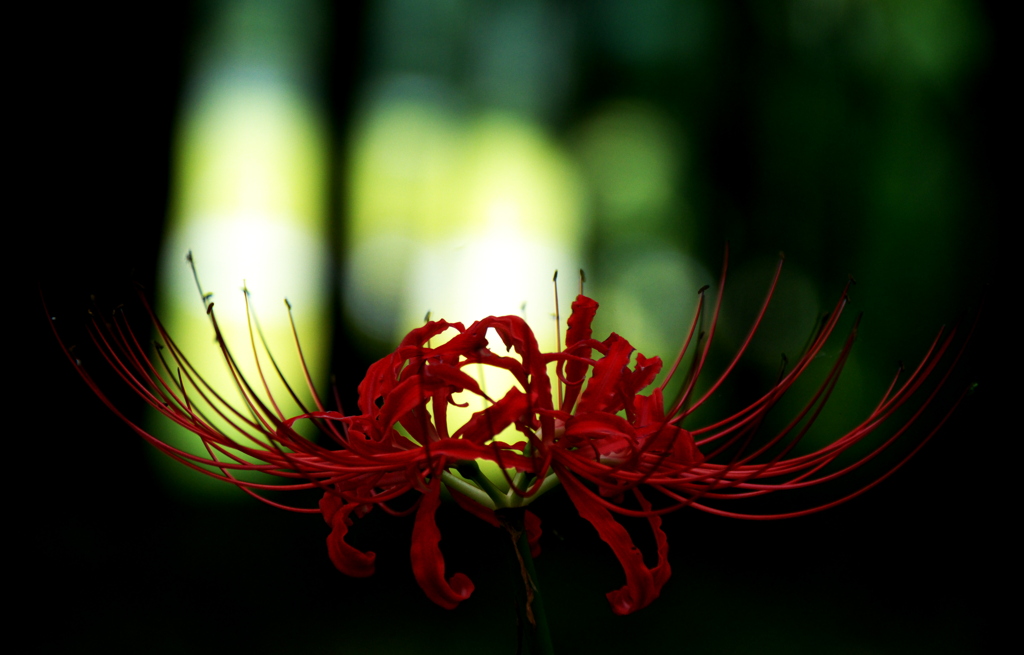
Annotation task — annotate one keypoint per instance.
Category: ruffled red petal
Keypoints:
(583, 311)
(533, 532)
(427, 561)
(350, 561)
(602, 393)
(643, 584)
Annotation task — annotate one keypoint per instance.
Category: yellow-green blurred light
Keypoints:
(249, 201)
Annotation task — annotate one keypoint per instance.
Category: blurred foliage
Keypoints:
(834, 130)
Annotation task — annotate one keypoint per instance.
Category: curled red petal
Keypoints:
(406, 396)
(602, 391)
(421, 335)
(488, 423)
(515, 333)
(583, 311)
(684, 448)
(452, 376)
(598, 425)
(533, 532)
(643, 584)
(648, 410)
(349, 560)
(643, 374)
(427, 561)
(476, 509)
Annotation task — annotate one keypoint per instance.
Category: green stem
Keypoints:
(470, 470)
(550, 482)
(534, 635)
(467, 489)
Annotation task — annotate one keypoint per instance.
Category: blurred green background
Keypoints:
(633, 139)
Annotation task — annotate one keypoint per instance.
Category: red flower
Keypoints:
(604, 441)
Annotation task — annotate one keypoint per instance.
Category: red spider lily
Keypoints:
(601, 439)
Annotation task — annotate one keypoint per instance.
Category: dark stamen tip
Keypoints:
(287, 304)
(700, 291)
(555, 278)
(209, 309)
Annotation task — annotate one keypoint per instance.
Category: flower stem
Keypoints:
(467, 489)
(471, 471)
(534, 635)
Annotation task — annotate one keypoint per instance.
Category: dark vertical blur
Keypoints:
(861, 138)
